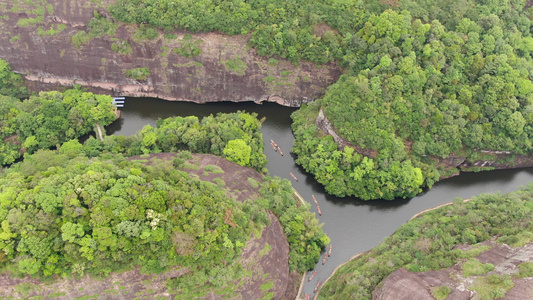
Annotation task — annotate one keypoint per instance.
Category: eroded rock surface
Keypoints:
(402, 284)
(226, 70)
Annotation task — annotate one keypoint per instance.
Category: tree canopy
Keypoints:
(47, 119)
(421, 84)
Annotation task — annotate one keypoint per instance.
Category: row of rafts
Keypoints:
(326, 254)
(277, 148)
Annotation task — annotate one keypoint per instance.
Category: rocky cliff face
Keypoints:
(402, 284)
(37, 41)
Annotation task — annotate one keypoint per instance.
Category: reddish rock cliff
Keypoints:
(37, 41)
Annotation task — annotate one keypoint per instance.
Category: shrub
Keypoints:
(138, 73)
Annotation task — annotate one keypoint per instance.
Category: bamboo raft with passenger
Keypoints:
(294, 177)
(316, 287)
(312, 276)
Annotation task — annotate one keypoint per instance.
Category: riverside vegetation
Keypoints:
(427, 243)
(421, 83)
(88, 209)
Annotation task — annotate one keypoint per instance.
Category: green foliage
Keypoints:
(282, 28)
(66, 214)
(344, 171)
(526, 269)
(427, 243)
(24, 22)
(237, 66)
(48, 119)
(267, 286)
(100, 26)
(189, 47)
(441, 292)
(97, 27)
(144, 32)
(221, 135)
(11, 84)
(273, 62)
(122, 47)
(517, 239)
(80, 38)
(53, 30)
(475, 267)
(253, 183)
(417, 94)
(305, 235)
(113, 215)
(238, 152)
(492, 286)
(138, 73)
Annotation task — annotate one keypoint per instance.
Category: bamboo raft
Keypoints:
(294, 177)
(312, 276)
(329, 253)
(324, 260)
(316, 287)
(274, 146)
(319, 211)
(314, 199)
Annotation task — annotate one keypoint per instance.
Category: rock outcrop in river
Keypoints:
(52, 45)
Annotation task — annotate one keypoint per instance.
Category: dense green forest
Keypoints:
(89, 209)
(427, 243)
(48, 119)
(235, 136)
(418, 92)
(424, 80)
(62, 212)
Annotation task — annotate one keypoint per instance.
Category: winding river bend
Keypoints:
(353, 225)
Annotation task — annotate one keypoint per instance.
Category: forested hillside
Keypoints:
(417, 92)
(65, 213)
(432, 242)
(424, 81)
(93, 209)
(47, 119)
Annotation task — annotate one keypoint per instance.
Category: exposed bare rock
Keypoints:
(324, 124)
(52, 61)
(493, 159)
(402, 284)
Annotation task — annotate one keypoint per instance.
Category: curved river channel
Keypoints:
(353, 225)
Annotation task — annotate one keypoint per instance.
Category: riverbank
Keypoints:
(359, 254)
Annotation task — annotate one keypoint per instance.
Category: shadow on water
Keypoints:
(353, 225)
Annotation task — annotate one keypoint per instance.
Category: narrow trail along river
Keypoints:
(353, 225)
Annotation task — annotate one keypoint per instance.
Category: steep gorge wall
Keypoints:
(51, 61)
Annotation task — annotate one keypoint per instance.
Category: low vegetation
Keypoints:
(138, 73)
(428, 243)
(189, 47)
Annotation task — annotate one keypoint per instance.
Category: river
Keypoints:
(353, 225)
